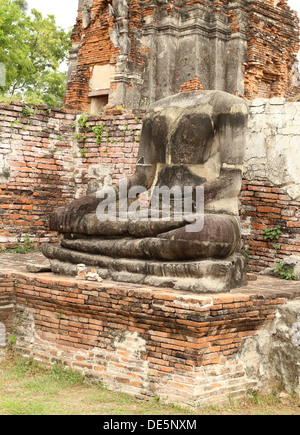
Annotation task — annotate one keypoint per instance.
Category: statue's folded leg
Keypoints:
(219, 238)
(206, 261)
(56, 219)
(164, 241)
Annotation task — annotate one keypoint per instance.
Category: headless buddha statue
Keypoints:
(194, 142)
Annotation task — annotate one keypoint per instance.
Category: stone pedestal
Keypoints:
(205, 276)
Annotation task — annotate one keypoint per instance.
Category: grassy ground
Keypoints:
(27, 388)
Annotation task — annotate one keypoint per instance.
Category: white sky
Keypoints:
(65, 11)
(295, 5)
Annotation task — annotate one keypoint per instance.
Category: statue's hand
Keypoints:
(64, 218)
(78, 209)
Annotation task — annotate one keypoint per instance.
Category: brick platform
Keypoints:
(147, 342)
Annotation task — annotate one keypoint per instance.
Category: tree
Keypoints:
(22, 4)
(32, 48)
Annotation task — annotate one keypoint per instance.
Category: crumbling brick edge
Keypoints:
(183, 348)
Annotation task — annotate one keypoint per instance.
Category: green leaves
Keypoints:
(272, 233)
(98, 132)
(285, 271)
(27, 111)
(32, 49)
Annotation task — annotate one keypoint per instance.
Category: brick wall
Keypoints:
(264, 205)
(96, 44)
(182, 348)
(42, 166)
(35, 174)
(273, 42)
(271, 194)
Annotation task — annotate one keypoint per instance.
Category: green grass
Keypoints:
(29, 388)
(27, 247)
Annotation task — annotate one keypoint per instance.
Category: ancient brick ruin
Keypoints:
(191, 349)
(133, 53)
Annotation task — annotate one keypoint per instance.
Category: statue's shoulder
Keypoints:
(218, 101)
